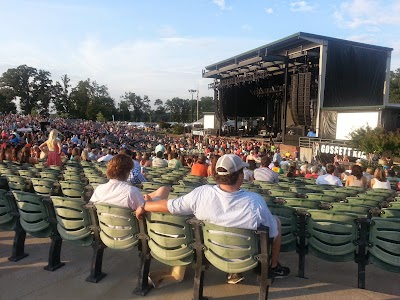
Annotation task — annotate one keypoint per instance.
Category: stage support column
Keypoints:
(285, 95)
(323, 52)
(387, 80)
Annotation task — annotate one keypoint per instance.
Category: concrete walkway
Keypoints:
(26, 279)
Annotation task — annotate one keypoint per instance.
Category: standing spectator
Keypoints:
(53, 145)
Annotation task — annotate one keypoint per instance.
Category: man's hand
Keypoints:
(139, 212)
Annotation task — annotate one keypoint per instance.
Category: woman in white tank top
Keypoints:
(379, 181)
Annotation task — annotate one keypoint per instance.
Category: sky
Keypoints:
(159, 48)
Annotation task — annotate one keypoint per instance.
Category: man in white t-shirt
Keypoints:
(329, 178)
(225, 204)
(264, 173)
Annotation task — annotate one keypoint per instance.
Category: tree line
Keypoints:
(38, 94)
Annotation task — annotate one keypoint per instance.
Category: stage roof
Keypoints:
(270, 57)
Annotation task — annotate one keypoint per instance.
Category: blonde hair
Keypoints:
(53, 135)
(85, 154)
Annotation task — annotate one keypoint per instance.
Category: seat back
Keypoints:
(72, 189)
(288, 218)
(332, 235)
(384, 244)
(231, 250)
(359, 209)
(18, 183)
(170, 238)
(7, 217)
(34, 214)
(44, 186)
(118, 226)
(73, 220)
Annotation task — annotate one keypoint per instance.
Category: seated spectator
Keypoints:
(135, 176)
(240, 208)
(329, 178)
(379, 181)
(200, 167)
(159, 162)
(117, 190)
(276, 168)
(211, 167)
(264, 173)
(107, 157)
(313, 174)
(291, 172)
(174, 163)
(356, 178)
(145, 161)
(75, 155)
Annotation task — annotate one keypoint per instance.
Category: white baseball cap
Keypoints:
(231, 163)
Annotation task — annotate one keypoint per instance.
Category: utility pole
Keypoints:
(191, 105)
(197, 102)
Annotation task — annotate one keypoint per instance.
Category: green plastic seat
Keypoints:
(337, 194)
(290, 184)
(98, 179)
(174, 195)
(27, 173)
(390, 213)
(164, 181)
(50, 175)
(72, 189)
(288, 218)
(194, 183)
(34, 214)
(8, 172)
(151, 186)
(321, 197)
(376, 197)
(45, 186)
(385, 192)
(332, 235)
(73, 221)
(230, 250)
(283, 194)
(384, 241)
(349, 192)
(320, 188)
(359, 200)
(359, 209)
(118, 226)
(19, 183)
(356, 188)
(302, 190)
(301, 203)
(183, 189)
(170, 238)
(395, 204)
(7, 217)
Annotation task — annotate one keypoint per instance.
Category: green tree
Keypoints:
(394, 94)
(206, 104)
(140, 106)
(179, 109)
(61, 99)
(6, 101)
(80, 98)
(375, 141)
(42, 91)
(100, 117)
(124, 113)
(20, 82)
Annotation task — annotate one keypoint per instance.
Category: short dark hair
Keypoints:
(229, 179)
(330, 168)
(119, 167)
(265, 161)
(126, 152)
(159, 154)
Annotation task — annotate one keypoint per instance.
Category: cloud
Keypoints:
(357, 13)
(247, 27)
(221, 4)
(269, 10)
(301, 6)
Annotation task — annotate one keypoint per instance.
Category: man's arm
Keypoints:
(152, 206)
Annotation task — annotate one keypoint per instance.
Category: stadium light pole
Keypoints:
(191, 104)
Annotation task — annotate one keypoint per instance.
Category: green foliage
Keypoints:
(100, 117)
(164, 125)
(140, 106)
(394, 95)
(178, 129)
(375, 140)
(6, 101)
